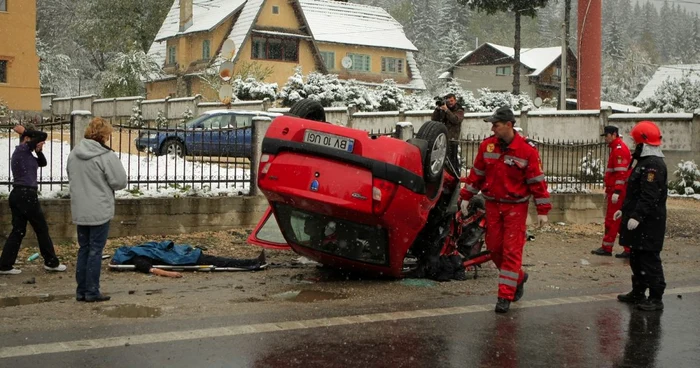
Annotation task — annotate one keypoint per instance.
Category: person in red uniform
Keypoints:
(615, 184)
(508, 171)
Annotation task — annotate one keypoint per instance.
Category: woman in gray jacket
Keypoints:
(94, 173)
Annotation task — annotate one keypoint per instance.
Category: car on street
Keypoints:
(224, 133)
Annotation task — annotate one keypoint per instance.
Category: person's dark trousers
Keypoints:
(453, 155)
(647, 273)
(205, 259)
(92, 240)
(24, 205)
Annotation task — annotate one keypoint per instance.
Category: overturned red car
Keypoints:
(360, 202)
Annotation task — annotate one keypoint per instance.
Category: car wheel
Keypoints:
(308, 109)
(435, 133)
(173, 147)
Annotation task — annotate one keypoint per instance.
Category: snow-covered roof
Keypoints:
(206, 14)
(417, 81)
(665, 72)
(244, 23)
(464, 57)
(538, 58)
(615, 107)
(354, 24)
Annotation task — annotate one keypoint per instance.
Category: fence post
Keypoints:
(197, 100)
(166, 108)
(695, 138)
(114, 109)
(523, 120)
(404, 130)
(402, 115)
(352, 109)
(604, 115)
(266, 104)
(260, 125)
(80, 120)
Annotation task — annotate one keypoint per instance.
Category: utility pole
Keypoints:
(564, 75)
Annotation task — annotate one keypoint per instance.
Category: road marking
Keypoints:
(111, 342)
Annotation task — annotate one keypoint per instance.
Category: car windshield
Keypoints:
(194, 122)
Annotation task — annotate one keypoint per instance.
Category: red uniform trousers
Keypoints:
(505, 238)
(612, 226)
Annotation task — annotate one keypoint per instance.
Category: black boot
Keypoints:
(521, 288)
(651, 305)
(623, 255)
(632, 297)
(601, 252)
(503, 305)
(97, 299)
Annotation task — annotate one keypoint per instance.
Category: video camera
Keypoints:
(439, 101)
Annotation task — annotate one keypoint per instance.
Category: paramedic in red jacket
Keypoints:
(507, 170)
(615, 184)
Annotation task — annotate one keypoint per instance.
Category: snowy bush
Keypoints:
(161, 120)
(591, 169)
(326, 89)
(136, 119)
(465, 98)
(4, 109)
(187, 115)
(252, 89)
(674, 95)
(360, 96)
(491, 101)
(391, 97)
(687, 179)
(293, 90)
(419, 101)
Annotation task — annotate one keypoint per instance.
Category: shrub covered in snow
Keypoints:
(493, 100)
(591, 169)
(4, 109)
(136, 119)
(252, 89)
(161, 120)
(687, 179)
(674, 95)
(187, 115)
(464, 98)
(360, 96)
(293, 90)
(391, 97)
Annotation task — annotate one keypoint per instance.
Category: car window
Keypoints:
(243, 121)
(217, 122)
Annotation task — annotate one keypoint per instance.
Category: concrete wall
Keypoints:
(150, 216)
(167, 216)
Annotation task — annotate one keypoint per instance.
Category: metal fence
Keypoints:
(568, 165)
(155, 159)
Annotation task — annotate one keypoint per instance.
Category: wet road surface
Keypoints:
(570, 331)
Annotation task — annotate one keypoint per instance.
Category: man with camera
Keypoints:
(450, 113)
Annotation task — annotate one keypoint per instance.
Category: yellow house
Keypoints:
(19, 63)
(353, 41)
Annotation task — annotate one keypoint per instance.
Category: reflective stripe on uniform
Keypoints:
(536, 179)
(539, 201)
(620, 169)
(619, 182)
(510, 274)
(508, 282)
(608, 244)
(493, 155)
(521, 200)
(478, 172)
(471, 189)
(609, 170)
(523, 162)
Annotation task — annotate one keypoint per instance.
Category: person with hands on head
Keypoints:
(615, 182)
(643, 216)
(24, 203)
(508, 171)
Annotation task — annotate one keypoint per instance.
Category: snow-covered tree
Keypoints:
(687, 179)
(391, 97)
(626, 74)
(161, 120)
(324, 88)
(187, 115)
(136, 119)
(464, 98)
(674, 95)
(360, 96)
(4, 109)
(293, 90)
(126, 74)
(55, 69)
(493, 100)
(251, 89)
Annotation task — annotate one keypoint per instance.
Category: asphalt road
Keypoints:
(592, 330)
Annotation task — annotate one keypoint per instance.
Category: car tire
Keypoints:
(435, 133)
(173, 147)
(308, 109)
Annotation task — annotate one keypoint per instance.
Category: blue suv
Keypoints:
(214, 133)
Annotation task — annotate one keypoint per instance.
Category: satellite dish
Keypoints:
(228, 49)
(538, 101)
(346, 62)
(225, 94)
(226, 70)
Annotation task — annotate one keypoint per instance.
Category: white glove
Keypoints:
(617, 215)
(614, 198)
(632, 224)
(541, 220)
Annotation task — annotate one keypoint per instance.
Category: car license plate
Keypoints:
(329, 140)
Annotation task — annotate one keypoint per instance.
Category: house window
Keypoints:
(503, 70)
(360, 62)
(206, 50)
(271, 48)
(392, 65)
(3, 5)
(275, 9)
(3, 71)
(328, 59)
(172, 56)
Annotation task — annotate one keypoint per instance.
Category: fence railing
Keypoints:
(167, 160)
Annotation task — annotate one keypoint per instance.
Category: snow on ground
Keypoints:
(181, 177)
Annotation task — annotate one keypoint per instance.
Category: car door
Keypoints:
(240, 137)
(216, 135)
(267, 233)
